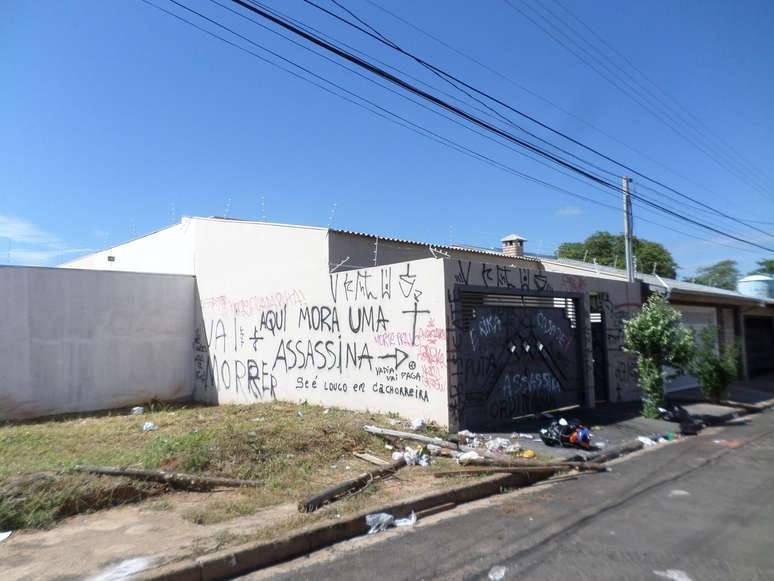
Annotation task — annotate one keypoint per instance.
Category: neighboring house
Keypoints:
(748, 319)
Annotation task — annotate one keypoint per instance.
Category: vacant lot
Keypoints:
(294, 450)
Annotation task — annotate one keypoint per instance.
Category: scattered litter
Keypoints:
(646, 441)
(333, 466)
(600, 444)
(673, 574)
(347, 468)
(433, 449)
(419, 456)
(124, 569)
(4, 535)
(393, 421)
(526, 454)
(417, 424)
(497, 444)
(149, 427)
(137, 410)
(300, 414)
(673, 493)
(564, 433)
(326, 411)
(381, 521)
(496, 573)
(513, 449)
(259, 419)
(515, 436)
(467, 457)
(389, 447)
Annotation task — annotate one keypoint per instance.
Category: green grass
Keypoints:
(289, 453)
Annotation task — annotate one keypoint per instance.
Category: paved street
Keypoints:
(699, 510)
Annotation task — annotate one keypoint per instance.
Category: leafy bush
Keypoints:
(715, 368)
(658, 340)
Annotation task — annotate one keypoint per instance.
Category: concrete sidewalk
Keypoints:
(615, 424)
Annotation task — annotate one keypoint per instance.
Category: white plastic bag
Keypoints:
(467, 457)
(149, 427)
(379, 521)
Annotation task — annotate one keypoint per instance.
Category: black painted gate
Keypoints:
(519, 354)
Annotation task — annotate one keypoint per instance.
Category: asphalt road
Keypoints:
(698, 510)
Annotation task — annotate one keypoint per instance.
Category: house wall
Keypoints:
(619, 300)
(274, 323)
(76, 340)
(168, 251)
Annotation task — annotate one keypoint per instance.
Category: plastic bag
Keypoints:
(409, 521)
(497, 444)
(417, 423)
(137, 410)
(496, 573)
(149, 427)
(468, 456)
(379, 521)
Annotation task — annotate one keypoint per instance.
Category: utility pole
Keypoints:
(628, 230)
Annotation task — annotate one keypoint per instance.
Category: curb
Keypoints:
(257, 555)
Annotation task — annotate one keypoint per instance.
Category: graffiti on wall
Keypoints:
(373, 336)
(506, 361)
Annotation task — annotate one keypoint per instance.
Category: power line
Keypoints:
(257, 8)
(611, 76)
(421, 130)
(684, 109)
(379, 38)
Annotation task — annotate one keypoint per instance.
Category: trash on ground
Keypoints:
(125, 569)
(381, 521)
(679, 493)
(326, 411)
(409, 521)
(673, 574)
(646, 441)
(526, 454)
(300, 414)
(468, 456)
(149, 427)
(496, 573)
(137, 410)
(389, 447)
(4, 535)
(515, 436)
(564, 433)
(393, 421)
(417, 423)
(418, 456)
(513, 449)
(497, 444)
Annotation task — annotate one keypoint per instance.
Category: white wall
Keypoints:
(167, 251)
(77, 340)
(256, 284)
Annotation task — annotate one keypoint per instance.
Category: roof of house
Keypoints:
(659, 281)
(454, 247)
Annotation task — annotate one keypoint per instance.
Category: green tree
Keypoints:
(609, 250)
(723, 274)
(715, 367)
(658, 340)
(765, 266)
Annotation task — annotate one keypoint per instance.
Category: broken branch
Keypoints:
(176, 479)
(329, 494)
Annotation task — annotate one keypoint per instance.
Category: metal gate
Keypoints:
(519, 354)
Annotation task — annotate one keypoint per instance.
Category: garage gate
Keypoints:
(519, 354)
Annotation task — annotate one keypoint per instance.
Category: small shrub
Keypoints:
(715, 368)
(658, 340)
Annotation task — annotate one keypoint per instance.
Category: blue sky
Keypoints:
(116, 119)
